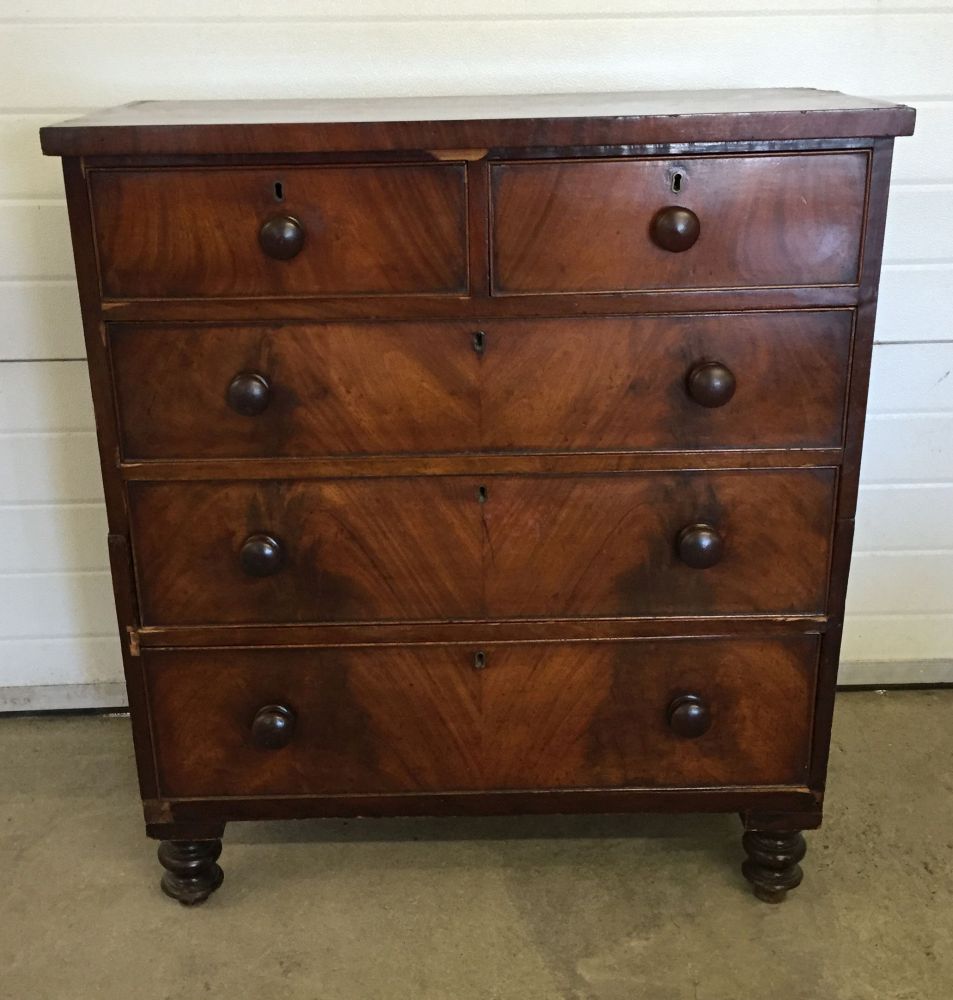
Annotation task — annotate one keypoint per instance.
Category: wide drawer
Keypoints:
(181, 233)
(427, 718)
(501, 547)
(772, 380)
(615, 225)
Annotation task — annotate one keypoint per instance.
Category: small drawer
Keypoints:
(770, 380)
(502, 547)
(366, 230)
(445, 718)
(694, 222)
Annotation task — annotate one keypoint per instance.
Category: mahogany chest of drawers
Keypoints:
(480, 455)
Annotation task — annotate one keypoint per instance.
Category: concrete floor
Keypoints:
(608, 908)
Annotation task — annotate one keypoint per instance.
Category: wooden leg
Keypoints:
(191, 871)
(772, 863)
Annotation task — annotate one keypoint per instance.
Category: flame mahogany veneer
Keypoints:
(480, 461)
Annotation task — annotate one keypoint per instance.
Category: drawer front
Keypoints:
(537, 715)
(602, 226)
(353, 231)
(459, 547)
(710, 381)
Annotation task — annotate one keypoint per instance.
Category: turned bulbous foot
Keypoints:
(191, 870)
(772, 864)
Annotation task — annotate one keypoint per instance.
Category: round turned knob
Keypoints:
(248, 393)
(675, 228)
(282, 237)
(273, 727)
(688, 716)
(261, 555)
(699, 546)
(711, 384)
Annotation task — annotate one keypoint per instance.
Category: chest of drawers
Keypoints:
(480, 456)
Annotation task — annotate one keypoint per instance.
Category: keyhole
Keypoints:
(482, 494)
(279, 191)
(676, 182)
(479, 660)
(479, 342)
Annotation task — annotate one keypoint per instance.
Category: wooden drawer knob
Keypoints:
(273, 727)
(248, 393)
(688, 716)
(261, 555)
(675, 229)
(711, 384)
(282, 237)
(699, 546)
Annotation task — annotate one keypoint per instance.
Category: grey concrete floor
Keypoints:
(580, 907)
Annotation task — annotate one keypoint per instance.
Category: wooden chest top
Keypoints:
(641, 118)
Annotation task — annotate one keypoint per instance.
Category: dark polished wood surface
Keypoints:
(333, 389)
(193, 233)
(764, 220)
(464, 460)
(477, 631)
(501, 547)
(192, 873)
(772, 863)
(462, 308)
(427, 719)
(475, 463)
(415, 123)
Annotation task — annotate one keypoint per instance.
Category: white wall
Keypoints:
(59, 58)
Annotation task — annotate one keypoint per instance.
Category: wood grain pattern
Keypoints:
(104, 404)
(422, 719)
(567, 385)
(448, 307)
(765, 220)
(411, 445)
(571, 463)
(850, 475)
(368, 230)
(249, 127)
(203, 814)
(539, 630)
(467, 548)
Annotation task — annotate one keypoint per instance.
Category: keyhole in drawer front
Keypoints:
(479, 660)
(676, 182)
(482, 494)
(279, 191)
(479, 342)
